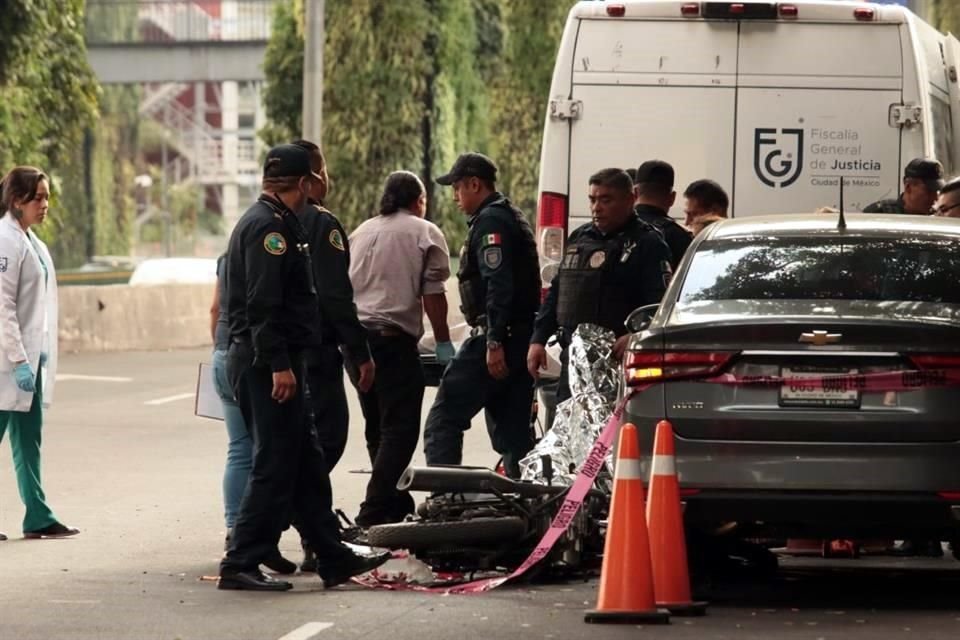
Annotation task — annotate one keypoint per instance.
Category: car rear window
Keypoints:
(902, 269)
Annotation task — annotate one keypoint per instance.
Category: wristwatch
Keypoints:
(493, 345)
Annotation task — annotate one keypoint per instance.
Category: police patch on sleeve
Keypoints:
(597, 258)
(275, 244)
(4, 262)
(336, 239)
(492, 239)
(492, 257)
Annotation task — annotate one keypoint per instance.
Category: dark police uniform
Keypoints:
(676, 237)
(273, 313)
(602, 278)
(926, 170)
(327, 399)
(499, 291)
(890, 205)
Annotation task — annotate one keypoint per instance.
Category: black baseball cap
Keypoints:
(656, 172)
(927, 170)
(470, 165)
(288, 161)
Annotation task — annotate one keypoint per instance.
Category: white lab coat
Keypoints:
(28, 313)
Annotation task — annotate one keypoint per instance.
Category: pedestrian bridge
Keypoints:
(155, 41)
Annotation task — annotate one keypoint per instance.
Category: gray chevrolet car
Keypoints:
(798, 296)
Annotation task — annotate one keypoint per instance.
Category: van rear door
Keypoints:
(815, 102)
(653, 89)
(952, 54)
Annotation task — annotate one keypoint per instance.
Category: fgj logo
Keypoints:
(778, 156)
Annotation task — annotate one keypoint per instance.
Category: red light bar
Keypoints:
(616, 10)
(690, 10)
(789, 11)
(864, 13)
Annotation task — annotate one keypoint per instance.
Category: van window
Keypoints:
(942, 132)
(879, 269)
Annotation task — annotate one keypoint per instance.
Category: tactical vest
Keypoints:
(526, 271)
(590, 291)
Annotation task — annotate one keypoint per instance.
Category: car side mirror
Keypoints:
(639, 319)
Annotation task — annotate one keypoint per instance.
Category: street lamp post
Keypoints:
(314, 37)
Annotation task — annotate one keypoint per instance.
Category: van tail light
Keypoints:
(690, 10)
(949, 496)
(616, 10)
(740, 10)
(935, 361)
(645, 367)
(552, 215)
(866, 14)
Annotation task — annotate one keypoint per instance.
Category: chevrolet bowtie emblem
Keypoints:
(820, 338)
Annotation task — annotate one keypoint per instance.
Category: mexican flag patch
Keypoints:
(491, 239)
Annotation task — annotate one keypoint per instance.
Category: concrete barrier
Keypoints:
(121, 317)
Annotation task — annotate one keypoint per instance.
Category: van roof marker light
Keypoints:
(690, 10)
(864, 13)
(789, 11)
(737, 9)
(616, 10)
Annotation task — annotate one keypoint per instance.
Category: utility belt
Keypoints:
(512, 330)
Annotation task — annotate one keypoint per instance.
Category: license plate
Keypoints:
(798, 394)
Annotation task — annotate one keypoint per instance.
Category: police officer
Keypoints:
(330, 254)
(272, 311)
(654, 194)
(499, 294)
(610, 267)
(922, 181)
(339, 325)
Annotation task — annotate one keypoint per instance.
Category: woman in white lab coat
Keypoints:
(28, 339)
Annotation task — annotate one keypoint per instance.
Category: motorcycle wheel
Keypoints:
(425, 535)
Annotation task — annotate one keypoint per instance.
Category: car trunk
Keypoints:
(804, 346)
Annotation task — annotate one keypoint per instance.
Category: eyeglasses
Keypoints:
(942, 209)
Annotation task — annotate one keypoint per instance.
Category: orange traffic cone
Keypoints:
(626, 580)
(668, 548)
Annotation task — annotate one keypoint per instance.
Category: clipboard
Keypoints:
(207, 403)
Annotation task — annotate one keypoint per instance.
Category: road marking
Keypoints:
(179, 396)
(62, 377)
(307, 631)
(73, 601)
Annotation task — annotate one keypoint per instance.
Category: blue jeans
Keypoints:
(239, 446)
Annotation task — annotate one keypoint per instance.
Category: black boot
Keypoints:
(309, 564)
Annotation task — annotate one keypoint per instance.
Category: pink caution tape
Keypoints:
(561, 522)
(881, 381)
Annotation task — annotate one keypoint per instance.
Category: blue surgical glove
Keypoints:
(445, 352)
(43, 358)
(24, 377)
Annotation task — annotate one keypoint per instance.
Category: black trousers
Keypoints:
(467, 387)
(288, 476)
(391, 410)
(327, 401)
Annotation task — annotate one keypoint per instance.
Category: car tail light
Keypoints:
(864, 13)
(552, 216)
(935, 361)
(949, 496)
(616, 10)
(644, 367)
(690, 10)
(789, 11)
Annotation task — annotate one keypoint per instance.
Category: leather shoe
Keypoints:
(351, 565)
(309, 564)
(55, 530)
(278, 564)
(253, 580)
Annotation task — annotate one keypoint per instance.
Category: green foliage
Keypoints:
(947, 16)
(412, 85)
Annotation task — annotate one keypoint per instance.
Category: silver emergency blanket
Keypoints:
(594, 376)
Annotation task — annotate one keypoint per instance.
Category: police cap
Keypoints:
(926, 170)
(470, 165)
(288, 161)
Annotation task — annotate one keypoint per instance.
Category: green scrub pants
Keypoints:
(24, 428)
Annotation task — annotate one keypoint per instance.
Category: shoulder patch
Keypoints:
(492, 239)
(4, 263)
(275, 244)
(493, 257)
(336, 239)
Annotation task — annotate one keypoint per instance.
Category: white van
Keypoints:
(773, 100)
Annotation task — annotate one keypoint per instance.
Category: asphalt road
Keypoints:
(126, 461)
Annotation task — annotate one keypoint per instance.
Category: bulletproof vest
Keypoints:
(590, 289)
(526, 271)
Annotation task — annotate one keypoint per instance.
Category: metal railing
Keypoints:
(168, 21)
